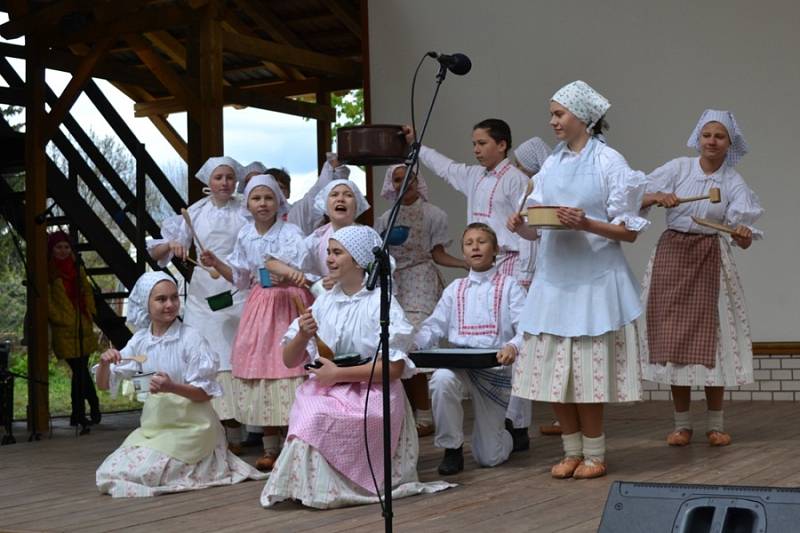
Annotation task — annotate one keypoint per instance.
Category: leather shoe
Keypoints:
(554, 428)
(590, 468)
(424, 430)
(680, 437)
(452, 462)
(266, 461)
(566, 467)
(718, 438)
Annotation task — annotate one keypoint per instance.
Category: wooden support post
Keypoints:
(36, 239)
(323, 132)
(204, 67)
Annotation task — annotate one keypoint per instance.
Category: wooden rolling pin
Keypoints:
(323, 349)
(713, 225)
(188, 220)
(713, 196)
(138, 358)
(528, 191)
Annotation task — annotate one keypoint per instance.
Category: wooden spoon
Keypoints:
(323, 349)
(188, 220)
(211, 272)
(138, 358)
(528, 191)
(713, 225)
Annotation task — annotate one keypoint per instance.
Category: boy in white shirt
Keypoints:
(479, 311)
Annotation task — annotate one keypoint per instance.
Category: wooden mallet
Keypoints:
(713, 196)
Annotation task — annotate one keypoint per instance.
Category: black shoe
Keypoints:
(519, 436)
(75, 420)
(253, 439)
(452, 462)
(96, 416)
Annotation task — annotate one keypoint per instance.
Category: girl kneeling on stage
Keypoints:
(479, 311)
(324, 463)
(180, 445)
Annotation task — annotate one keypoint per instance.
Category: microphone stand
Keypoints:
(382, 272)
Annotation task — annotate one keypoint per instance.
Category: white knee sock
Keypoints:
(715, 421)
(573, 445)
(594, 447)
(272, 443)
(682, 420)
(424, 416)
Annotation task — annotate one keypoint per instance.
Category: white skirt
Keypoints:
(302, 473)
(601, 369)
(227, 405)
(734, 359)
(134, 471)
(266, 402)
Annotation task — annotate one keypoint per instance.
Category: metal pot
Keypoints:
(376, 144)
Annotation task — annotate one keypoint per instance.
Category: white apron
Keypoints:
(583, 284)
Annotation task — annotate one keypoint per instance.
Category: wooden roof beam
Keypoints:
(43, 18)
(148, 19)
(234, 24)
(73, 89)
(344, 16)
(174, 83)
(263, 16)
(66, 62)
(289, 55)
(242, 97)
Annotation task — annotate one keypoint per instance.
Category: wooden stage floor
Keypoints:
(49, 485)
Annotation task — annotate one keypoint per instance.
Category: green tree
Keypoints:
(349, 109)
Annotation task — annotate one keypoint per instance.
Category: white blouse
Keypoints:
(479, 311)
(283, 242)
(301, 213)
(181, 352)
(216, 226)
(684, 177)
(350, 324)
(492, 195)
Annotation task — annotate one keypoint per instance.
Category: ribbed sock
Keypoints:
(682, 420)
(272, 443)
(424, 416)
(715, 421)
(594, 448)
(573, 444)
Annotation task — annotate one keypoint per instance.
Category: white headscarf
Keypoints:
(321, 200)
(389, 193)
(267, 180)
(738, 145)
(138, 300)
(211, 164)
(583, 102)
(359, 241)
(255, 166)
(532, 153)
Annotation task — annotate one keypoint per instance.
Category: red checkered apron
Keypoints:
(682, 319)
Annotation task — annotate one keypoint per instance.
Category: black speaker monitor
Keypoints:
(677, 508)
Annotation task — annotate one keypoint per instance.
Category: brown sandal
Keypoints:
(680, 437)
(266, 461)
(718, 438)
(590, 468)
(554, 428)
(566, 467)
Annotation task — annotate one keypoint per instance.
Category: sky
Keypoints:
(275, 139)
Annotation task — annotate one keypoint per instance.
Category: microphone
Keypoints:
(41, 217)
(458, 64)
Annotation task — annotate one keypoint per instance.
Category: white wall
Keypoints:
(659, 63)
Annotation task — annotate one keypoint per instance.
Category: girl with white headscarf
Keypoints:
(180, 444)
(418, 282)
(322, 464)
(581, 350)
(696, 331)
(217, 220)
(342, 202)
(266, 387)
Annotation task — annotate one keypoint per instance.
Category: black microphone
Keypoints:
(458, 64)
(41, 217)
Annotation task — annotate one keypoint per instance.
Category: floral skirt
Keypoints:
(302, 473)
(227, 405)
(135, 471)
(600, 369)
(266, 402)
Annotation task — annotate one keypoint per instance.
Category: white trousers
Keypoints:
(490, 391)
